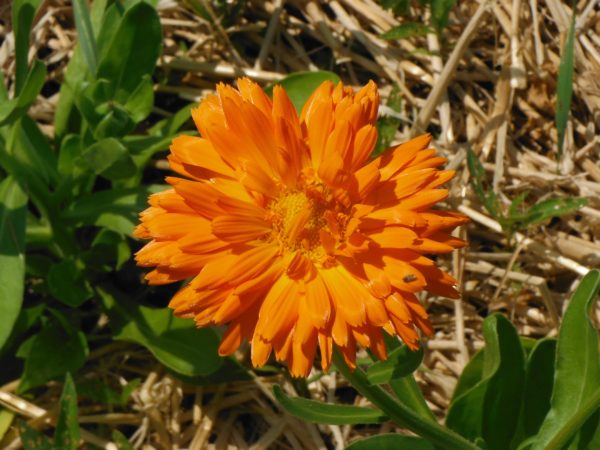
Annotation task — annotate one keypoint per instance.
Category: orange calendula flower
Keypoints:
(291, 236)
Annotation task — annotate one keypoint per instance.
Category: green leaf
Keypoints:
(66, 436)
(440, 10)
(6, 420)
(391, 442)
(34, 440)
(140, 103)
(409, 393)
(564, 85)
(11, 110)
(13, 213)
(23, 12)
(133, 50)
(554, 207)
(400, 363)
(67, 283)
(109, 158)
(85, 34)
(577, 368)
(53, 352)
(470, 376)
(406, 30)
(490, 409)
(319, 412)
(30, 147)
(121, 441)
(175, 342)
(115, 210)
(300, 85)
(539, 376)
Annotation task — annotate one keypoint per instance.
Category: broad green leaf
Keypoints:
(13, 213)
(109, 158)
(11, 110)
(30, 147)
(69, 157)
(490, 409)
(115, 123)
(577, 368)
(6, 420)
(564, 85)
(470, 376)
(553, 207)
(400, 363)
(115, 210)
(440, 10)
(23, 12)
(230, 371)
(175, 342)
(53, 352)
(109, 249)
(300, 85)
(406, 30)
(391, 442)
(140, 102)
(539, 376)
(68, 284)
(67, 118)
(66, 435)
(34, 440)
(407, 390)
(133, 50)
(326, 413)
(85, 34)
(28, 317)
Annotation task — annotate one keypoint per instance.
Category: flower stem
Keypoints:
(399, 413)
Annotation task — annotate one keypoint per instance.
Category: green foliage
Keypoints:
(488, 408)
(406, 30)
(176, 343)
(560, 383)
(577, 373)
(319, 412)
(564, 88)
(57, 349)
(514, 394)
(68, 205)
(515, 219)
(300, 85)
(13, 210)
(400, 363)
(66, 433)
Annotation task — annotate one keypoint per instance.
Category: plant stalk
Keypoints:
(399, 413)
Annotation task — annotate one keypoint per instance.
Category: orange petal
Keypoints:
(239, 228)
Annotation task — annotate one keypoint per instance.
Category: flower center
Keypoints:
(297, 220)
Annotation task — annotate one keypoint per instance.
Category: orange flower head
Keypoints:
(291, 235)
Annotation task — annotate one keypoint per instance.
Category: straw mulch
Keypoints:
(487, 83)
